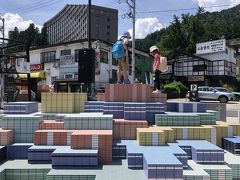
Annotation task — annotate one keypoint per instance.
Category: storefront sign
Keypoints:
(195, 78)
(36, 67)
(24, 67)
(67, 60)
(211, 47)
(69, 76)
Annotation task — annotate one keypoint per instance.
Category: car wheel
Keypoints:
(223, 99)
(237, 98)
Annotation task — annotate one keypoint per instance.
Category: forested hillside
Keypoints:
(187, 30)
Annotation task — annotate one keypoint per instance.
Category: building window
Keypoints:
(97, 30)
(48, 56)
(114, 75)
(103, 56)
(97, 19)
(76, 55)
(197, 68)
(66, 52)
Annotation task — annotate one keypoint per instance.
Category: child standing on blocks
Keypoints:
(123, 62)
(154, 51)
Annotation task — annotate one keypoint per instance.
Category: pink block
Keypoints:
(107, 92)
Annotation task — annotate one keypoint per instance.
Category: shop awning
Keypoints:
(39, 74)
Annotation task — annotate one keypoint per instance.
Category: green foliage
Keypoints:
(149, 40)
(175, 89)
(31, 35)
(238, 77)
(142, 66)
(187, 30)
(232, 87)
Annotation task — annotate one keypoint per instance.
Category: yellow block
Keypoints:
(179, 133)
(196, 134)
(169, 133)
(190, 133)
(144, 136)
(79, 101)
(54, 96)
(49, 96)
(221, 131)
(44, 96)
(236, 128)
(161, 138)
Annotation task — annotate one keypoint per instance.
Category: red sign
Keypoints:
(36, 67)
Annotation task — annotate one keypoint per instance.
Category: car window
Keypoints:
(211, 89)
(201, 89)
(204, 89)
(223, 90)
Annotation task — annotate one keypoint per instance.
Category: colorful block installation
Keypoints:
(131, 133)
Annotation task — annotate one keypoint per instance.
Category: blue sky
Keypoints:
(146, 22)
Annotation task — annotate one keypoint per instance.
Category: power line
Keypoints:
(184, 9)
(30, 5)
(39, 7)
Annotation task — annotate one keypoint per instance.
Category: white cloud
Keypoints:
(15, 20)
(145, 26)
(220, 3)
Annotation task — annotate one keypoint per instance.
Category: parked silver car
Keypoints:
(236, 94)
(211, 93)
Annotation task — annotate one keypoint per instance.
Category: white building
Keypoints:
(213, 62)
(60, 64)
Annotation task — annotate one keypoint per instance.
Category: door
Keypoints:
(202, 93)
(211, 93)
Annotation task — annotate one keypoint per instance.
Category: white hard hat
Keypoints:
(153, 48)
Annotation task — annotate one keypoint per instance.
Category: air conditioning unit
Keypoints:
(56, 64)
(68, 76)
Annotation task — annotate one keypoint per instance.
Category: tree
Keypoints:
(31, 35)
(187, 30)
(44, 36)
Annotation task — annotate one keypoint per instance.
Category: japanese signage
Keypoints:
(211, 46)
(67, 60)
(36, 67)
(195, 78)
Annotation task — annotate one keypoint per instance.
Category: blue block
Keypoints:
(18, 150)
(187, 107)
(3, 153)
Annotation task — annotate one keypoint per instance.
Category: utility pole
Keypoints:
(132, 14)
(3, 27)
(91, 85)
(89, 25)
(2, 91)
(133, 42)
